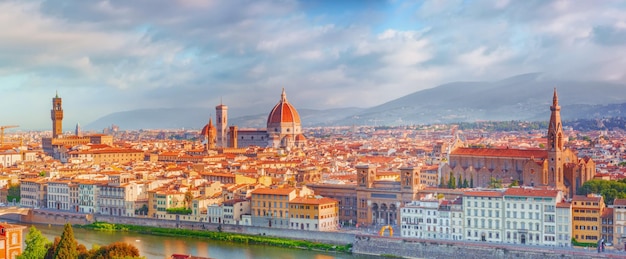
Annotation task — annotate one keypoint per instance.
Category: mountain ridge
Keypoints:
(521, 97)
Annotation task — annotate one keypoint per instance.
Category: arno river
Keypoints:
(159, 247)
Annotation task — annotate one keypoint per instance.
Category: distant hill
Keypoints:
(523, 97)
(196, 118)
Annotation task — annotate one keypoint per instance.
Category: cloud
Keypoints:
(112, 55)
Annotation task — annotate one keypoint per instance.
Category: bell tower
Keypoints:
(410, 178)
(366, 175)
(56, 114)
(555, 145)
(221, 123)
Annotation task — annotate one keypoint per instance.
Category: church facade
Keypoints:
(553, 167)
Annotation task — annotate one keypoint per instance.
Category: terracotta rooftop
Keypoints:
(619, 202)
(278, 191)
(501, 152)
(585, 198)
(483, 193)
(530, 192)
(312, 200)
(563, 205)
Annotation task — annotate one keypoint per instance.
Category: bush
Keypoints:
(180, 211)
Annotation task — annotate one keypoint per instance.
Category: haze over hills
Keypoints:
(522, 97)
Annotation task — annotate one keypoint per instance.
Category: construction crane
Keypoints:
(2, 128)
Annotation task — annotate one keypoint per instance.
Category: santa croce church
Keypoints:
(553, 167)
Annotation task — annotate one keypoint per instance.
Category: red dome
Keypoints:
(283, 112)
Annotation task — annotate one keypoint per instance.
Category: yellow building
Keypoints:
(161, 199)
(586, 217)
(270, 207)
(314, 213)
(108, 155)
(10, 240)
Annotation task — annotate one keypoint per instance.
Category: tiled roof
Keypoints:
(563, 205)
(483, 193)
(619, 202)
(530, 192)
(278, 191)
(310, 200)
(585, 198)
(501, 152)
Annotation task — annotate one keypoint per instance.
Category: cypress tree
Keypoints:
(67, 248)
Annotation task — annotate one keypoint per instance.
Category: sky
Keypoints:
(109, 56)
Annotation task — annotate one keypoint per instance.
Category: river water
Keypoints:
(160, 247)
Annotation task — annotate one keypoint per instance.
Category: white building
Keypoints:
(531, 216)
(456, 219)
(214, 213)
(88, 195)
(233, 210)
(111, 200)
(420, 218)
(619, 222)
(564, 224)
(59, 195)
(483, 211)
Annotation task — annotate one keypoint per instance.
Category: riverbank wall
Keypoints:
(337, 238)
(411, 248)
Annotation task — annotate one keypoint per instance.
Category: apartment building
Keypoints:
(484, 215)
(419, 218)
(270, 207)
(587, 217)
(531, 216)
(313, 213)
(33, 193)
(619, 222)
(233, 210)
(564, 224)
(58, 196)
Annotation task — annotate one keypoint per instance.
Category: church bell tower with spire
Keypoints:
(555, 145)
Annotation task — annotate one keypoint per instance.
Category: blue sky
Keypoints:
(109, 56)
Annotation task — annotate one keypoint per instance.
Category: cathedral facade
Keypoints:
(553, 167)
(284, 129)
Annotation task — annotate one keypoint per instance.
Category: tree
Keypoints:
(514, 183)
(495, 183)
(114, 250)
(465, 184)
(67, 247)
(451, 182)
(14, 193)
(36, 245)
(459, 182)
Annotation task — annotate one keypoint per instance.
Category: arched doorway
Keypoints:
(523, 239)
(375, 213)
(392, 214)
(384, 213)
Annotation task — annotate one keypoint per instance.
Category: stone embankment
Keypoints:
(362, 244)
(411, 248)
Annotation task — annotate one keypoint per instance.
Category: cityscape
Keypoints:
(322, 146)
